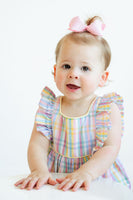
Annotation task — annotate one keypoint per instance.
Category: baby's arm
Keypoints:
(100, 161)
(37, 159)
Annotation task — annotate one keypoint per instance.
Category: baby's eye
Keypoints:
(66, 66)
(85, 68)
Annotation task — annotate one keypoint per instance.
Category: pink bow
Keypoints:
(95, 28)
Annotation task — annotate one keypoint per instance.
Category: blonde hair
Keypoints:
(87, 39)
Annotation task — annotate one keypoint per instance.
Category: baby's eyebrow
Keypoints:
(67, 60)
(86, 63)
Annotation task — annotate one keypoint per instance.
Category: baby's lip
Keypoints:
(73, 86)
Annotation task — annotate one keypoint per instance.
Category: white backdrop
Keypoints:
(29, 31)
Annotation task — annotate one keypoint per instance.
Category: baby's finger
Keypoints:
(52, 181)
(41, 182)
(77, 185)
(69, 185)
(19, 182)
(25, 183)
(86, 185)
(32, 183)
(63, 183)
(60, 180)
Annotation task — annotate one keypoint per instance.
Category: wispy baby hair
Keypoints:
(87, 38)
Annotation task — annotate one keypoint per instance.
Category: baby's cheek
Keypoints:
(89, 82)
(60, 79)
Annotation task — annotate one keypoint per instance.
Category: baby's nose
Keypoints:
(73, 75)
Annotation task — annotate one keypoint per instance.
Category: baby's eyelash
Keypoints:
(66, 66)
(85, 68)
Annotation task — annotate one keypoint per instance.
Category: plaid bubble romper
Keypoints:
(73, 140)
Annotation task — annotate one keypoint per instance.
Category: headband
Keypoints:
(95, 28)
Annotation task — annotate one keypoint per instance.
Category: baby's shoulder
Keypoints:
(107, 99)
(48, 98)
(106, 106)
(110, 98)
(48, 93)
(105, 102)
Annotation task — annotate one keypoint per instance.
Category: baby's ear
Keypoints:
(104, 78)
(54, 71)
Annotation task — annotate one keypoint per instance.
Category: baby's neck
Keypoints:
(76, 108)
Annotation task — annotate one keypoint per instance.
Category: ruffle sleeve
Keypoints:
(44, 113)
(103, 123)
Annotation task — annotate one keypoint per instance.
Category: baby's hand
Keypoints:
(35, 180)
(75, 180)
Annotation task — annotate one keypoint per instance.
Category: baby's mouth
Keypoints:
(72, 86)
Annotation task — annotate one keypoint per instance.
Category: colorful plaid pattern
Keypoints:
(74, 140)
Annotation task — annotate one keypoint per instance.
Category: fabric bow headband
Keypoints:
(95, 28)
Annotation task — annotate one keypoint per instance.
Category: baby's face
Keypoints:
(79, 70)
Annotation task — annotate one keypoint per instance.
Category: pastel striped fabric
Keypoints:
(74, 140)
